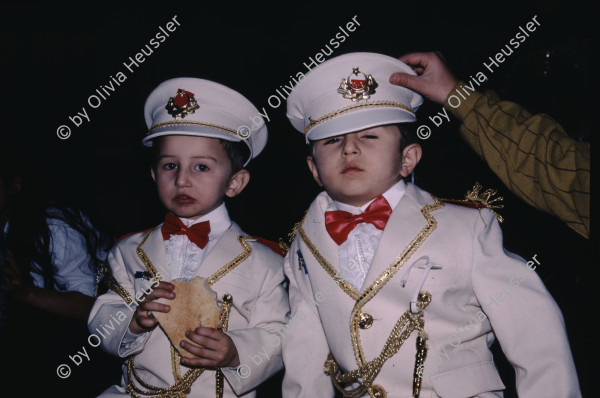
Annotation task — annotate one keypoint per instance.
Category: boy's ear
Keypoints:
(237, 183)
(152, 174)
(313, 169)
(410, 157)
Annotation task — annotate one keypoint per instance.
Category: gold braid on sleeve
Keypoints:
(112, 284)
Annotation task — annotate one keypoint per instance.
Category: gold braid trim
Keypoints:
(363, 298)
(407, 323)
(113, 285)
(221, 272)
(420, 357)
(192, 123)
(227, 302)
(145, 260)
(183, 384)
(337, 277)
(180, 389)
(351, 108)
(233, 263)
(102, 272)
(344, 285)
(285, 245)
(372, 290)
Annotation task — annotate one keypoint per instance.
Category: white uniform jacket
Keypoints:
(251, 273)
(479, 291)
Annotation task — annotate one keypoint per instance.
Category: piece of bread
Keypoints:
(195, 305)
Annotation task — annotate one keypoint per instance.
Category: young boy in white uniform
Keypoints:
(198, 160)
(402, 294)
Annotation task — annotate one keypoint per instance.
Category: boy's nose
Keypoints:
(182, 179)
(351, 146)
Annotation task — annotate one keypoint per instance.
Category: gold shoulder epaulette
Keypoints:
(483, 200)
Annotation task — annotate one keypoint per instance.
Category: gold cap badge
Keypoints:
(182, 104)
(357, 86)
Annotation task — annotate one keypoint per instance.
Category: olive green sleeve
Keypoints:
(531, 154)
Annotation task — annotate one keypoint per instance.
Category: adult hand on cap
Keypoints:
(434, 80)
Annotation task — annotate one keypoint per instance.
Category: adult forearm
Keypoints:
(531, 154)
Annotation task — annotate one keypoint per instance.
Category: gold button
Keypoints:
(227, 298)
(366, 320)
(379, 392)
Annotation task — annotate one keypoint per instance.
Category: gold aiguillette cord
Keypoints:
(227, 302)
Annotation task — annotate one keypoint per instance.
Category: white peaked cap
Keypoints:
(198, 107)
(350, 93)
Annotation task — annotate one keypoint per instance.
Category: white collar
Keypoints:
(219, 221)
(392, 195)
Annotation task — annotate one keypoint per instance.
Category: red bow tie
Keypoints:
(340, 223)
(197, 233)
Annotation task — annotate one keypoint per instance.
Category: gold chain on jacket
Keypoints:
(183, 384)
(376, 286)
(401, 331)
(227, 302)
(361, 299)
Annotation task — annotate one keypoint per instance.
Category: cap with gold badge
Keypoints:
(198, 107)
(349, 93)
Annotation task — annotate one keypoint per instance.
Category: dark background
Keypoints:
(54, 56)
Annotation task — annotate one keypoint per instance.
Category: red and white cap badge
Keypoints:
(182, 104)
(357, 87)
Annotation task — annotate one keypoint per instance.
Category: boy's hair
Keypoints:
(407, 137)
(407, 134)
(237, 152)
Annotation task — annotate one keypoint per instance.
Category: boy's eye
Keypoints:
(332, 141)
(201, 167)
(169, 166)
(370, 136)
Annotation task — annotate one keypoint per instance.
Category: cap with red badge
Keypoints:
(198, 107)
(349, 93)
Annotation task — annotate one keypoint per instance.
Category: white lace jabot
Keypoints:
(183, 257)
(357, 252)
